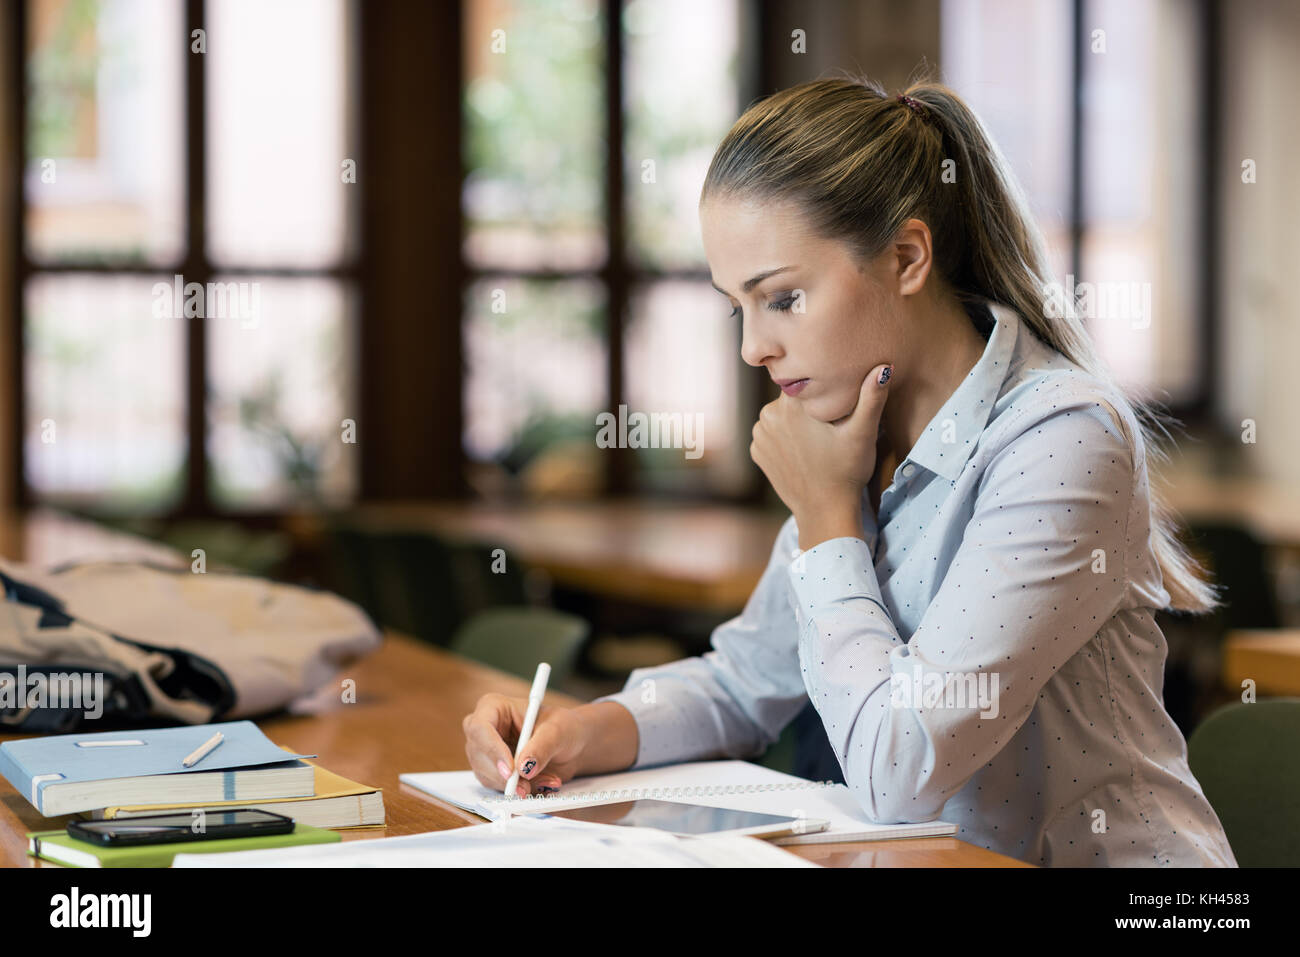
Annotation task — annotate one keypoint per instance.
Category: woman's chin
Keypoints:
(826, 411)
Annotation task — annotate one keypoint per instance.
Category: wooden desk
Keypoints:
(710, 557)
(45, 536)
(699, 557)
(1271, 658)
(1268, 509)
(411, 699)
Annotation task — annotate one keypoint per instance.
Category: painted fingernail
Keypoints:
(885, 373)
(547, 789)
(504, 769)
(528, 767)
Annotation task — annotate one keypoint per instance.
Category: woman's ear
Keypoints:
(913, 256)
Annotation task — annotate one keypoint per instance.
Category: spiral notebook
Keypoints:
(737, 785)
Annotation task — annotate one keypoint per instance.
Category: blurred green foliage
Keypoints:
(61, 79)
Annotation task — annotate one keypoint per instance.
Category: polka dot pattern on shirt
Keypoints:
(1012, 549)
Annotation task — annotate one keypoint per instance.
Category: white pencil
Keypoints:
(534, 705)
(203, 750)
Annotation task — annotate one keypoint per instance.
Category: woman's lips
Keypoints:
(792, 386)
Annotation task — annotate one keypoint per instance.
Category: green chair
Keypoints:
(1239, 562)
(351, 570)
(481, 582)
(418, 574)
(514, 640)
(1247, 759)
(227, 545)
(419, 583)
(404, 580)
(780, 756)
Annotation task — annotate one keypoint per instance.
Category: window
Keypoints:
(589, 289)
(188, 254)
(1115, 194)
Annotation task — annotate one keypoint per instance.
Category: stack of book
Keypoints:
(139, 773)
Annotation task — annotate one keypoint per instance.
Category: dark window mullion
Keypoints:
(1078, 32)
(182, 265)
(618, 474)
(1202, 403)
(531, 275)
(195, 499)
(762, 82)
(17, 85)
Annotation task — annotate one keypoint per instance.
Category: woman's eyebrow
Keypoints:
(751, 283)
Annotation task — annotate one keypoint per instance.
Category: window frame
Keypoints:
(196, 265)
(621, 276)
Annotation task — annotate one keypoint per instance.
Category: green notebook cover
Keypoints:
(57, 846)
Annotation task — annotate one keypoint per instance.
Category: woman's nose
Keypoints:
(756, 344)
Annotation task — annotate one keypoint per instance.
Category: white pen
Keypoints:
(203, 750)
(534, 705)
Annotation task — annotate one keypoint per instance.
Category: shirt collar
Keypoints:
(947, 442)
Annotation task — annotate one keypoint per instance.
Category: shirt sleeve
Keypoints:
(734, 700)
(1039, 570)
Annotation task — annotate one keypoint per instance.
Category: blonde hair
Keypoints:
(860, 163)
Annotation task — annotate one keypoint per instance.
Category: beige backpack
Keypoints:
(164, 643)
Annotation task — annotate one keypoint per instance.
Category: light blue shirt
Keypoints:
(987, 652)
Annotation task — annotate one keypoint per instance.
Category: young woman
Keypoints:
(966, 586)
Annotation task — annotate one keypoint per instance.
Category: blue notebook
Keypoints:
(66, 773)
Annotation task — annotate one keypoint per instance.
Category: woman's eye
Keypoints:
(780, 305)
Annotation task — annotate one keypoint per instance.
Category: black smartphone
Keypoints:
(174, 828)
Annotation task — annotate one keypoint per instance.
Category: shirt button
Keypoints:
(908, 470)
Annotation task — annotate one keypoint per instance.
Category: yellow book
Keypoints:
(337, 803)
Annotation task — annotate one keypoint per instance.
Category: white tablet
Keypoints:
(692, 820)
